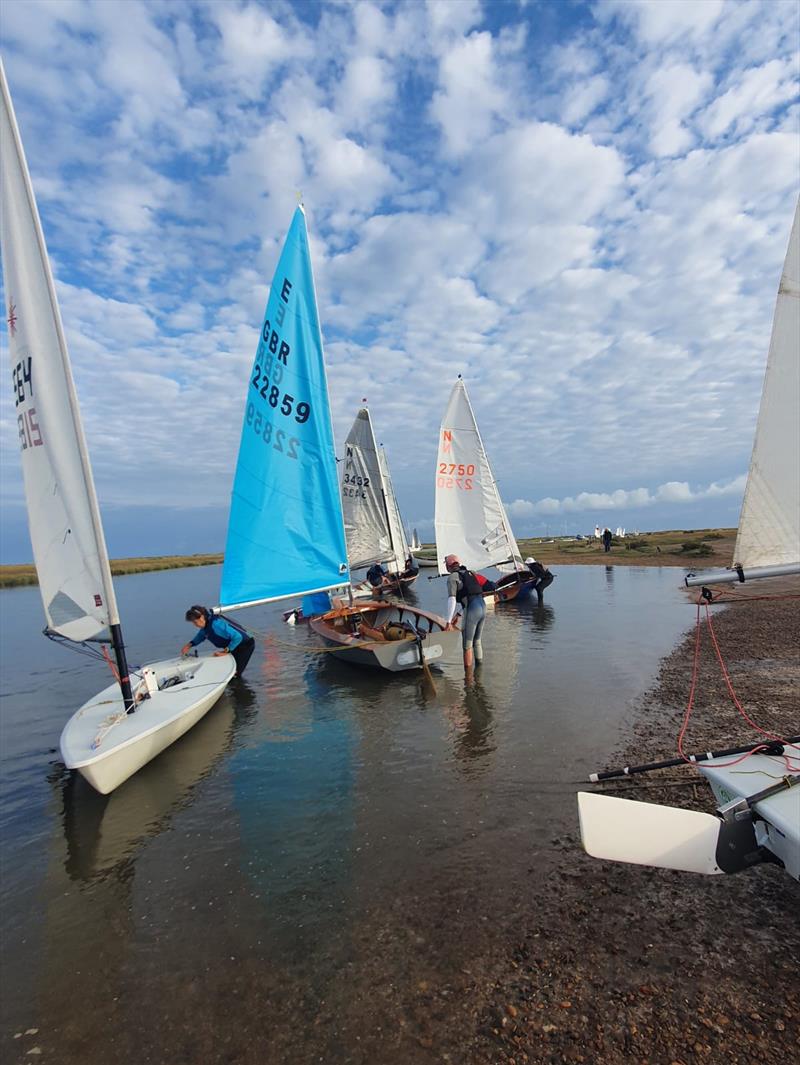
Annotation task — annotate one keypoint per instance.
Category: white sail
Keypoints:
(396, 528)
(363, 500)
(769, 526)
(66, 535)
(416, 543)
(470, 518)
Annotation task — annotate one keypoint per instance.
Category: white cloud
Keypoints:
(470, 98)
(660, 21)
(757, 92)
(673, 492)
(675, 92)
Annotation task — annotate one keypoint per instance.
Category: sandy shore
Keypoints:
(621, 963)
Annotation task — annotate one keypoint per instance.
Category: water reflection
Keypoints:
(543, 617)
(475, 735)
(610, 576)
(103, 833)
(293, 794)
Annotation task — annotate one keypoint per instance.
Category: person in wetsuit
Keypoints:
(543, 578)
(223, 633)
(464, 589)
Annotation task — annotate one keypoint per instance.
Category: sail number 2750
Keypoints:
(455, 475)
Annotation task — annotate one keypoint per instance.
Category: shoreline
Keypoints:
(620, 962)
(715, 547)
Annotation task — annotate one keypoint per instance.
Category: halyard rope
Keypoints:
(787, 758)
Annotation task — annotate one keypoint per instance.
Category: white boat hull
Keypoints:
(107, 746)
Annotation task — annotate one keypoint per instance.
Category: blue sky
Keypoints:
(581, 207)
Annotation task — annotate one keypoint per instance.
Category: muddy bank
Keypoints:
(619, 962)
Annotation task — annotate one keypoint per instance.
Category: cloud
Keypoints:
(586, 217)
(673, 492)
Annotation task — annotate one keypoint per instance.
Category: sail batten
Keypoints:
(285, 530)
(470, 518)
(66, 533)
(769, 525)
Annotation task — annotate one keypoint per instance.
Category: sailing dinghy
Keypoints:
(471, 521)
(119, 730)
(286, 532)
(372, 520)
(758, 817)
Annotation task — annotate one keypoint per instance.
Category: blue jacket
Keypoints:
(222, 633)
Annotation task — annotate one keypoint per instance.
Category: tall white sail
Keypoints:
(470, 518)
(769, 526)
(66, 535)
(396, 528)
(364, 504)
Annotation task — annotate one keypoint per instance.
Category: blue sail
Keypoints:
(285, 530)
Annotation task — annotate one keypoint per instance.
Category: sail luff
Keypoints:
(74, 575)
(769, 524)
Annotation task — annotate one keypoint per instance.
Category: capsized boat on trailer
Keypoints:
(119, 730)
(387, 635)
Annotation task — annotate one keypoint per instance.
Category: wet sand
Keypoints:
(621, 963)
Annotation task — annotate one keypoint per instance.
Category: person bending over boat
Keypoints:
(223, 633)
(377, 576)
(464, 589)
(543, 578)
(411, 568)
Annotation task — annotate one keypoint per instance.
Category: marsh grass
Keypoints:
(15, 576)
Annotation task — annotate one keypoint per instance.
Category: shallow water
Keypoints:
(321, 820)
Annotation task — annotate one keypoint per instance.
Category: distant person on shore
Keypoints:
(464, 589)
(223, 633)
(543, 578)
(606, 540)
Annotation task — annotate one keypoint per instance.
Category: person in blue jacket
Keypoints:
(223, 633)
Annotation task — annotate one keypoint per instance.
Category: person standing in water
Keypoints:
(223, 633)
(464, 589)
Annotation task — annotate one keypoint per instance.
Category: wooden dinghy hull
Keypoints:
(513, 587)
(107, 746)
(340, 629)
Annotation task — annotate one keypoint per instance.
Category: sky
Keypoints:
(582, 207)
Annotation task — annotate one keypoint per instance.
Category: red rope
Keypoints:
(111, 665)
(787, 759)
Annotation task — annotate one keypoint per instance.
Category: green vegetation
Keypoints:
(14, 576)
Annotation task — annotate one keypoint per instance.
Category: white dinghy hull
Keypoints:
(107, 746)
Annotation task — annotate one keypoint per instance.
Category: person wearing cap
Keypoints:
(543, 578)
(464, 589)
